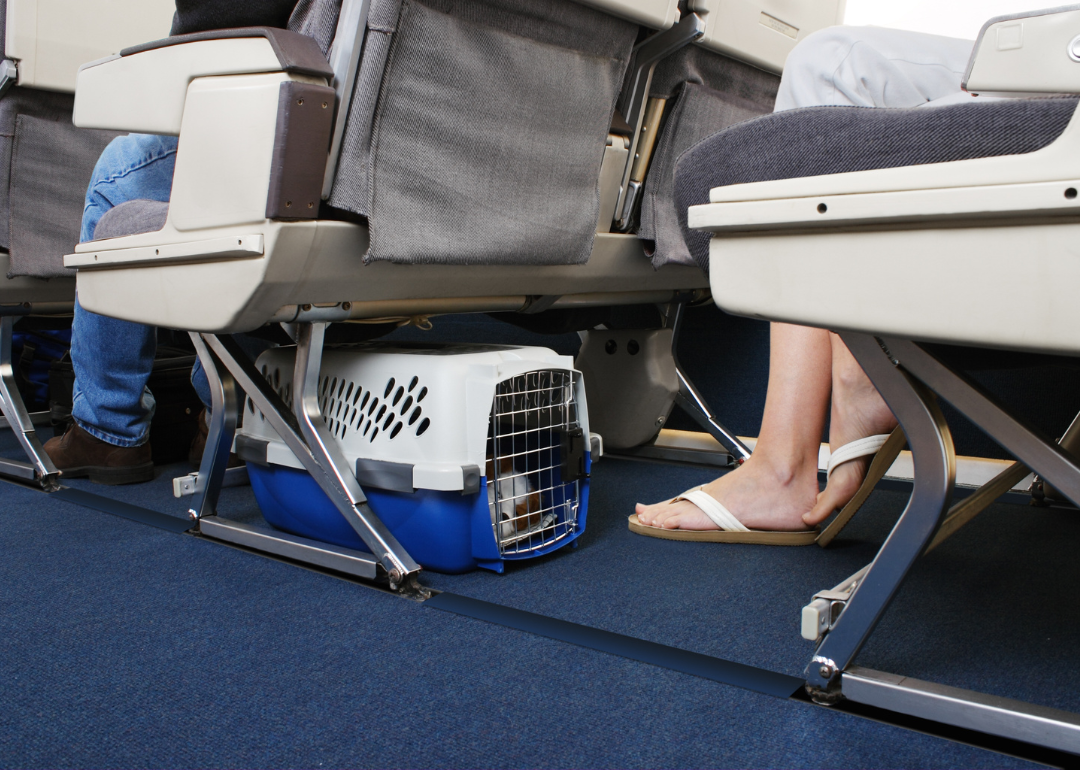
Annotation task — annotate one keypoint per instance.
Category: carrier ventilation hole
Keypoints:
(347, 406)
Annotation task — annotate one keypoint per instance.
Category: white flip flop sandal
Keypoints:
(885, 449)
(731, 529)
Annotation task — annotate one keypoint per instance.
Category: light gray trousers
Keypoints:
(874, 67)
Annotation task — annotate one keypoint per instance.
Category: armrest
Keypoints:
(143, 89)
(1028, 53)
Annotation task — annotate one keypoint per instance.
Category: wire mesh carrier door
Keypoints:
(536, 460)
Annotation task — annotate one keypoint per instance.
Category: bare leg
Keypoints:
(857, 411)
(778, 485)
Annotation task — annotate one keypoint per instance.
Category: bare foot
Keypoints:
(858, 411)
(759, 493)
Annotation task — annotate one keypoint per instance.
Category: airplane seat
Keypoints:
(45, 166)
(819, 141)
(903, 230)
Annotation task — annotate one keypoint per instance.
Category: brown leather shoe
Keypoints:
(198, 445)
(78, 455)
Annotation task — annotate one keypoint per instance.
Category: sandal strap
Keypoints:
(854, 450)
(712, 508)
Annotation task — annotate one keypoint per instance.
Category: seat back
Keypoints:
(45, 161)
(50, 39)
(763, 32)
(475, 129)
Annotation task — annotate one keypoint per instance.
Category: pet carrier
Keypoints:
(471, 455)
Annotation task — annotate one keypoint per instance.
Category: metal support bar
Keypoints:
(1037, 725)
(224, 402)
(36, 418)
(935, 473)
(14, 469)
(338, 482)
(634, 98)
(324, 555)
(11, 403)
(971, 506)
(689, 398)
(1041, 455)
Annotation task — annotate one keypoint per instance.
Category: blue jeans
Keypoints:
(113, 359)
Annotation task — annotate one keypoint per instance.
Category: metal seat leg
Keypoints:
(40, 469)
(303, 431)
(689, 398)
(935, 471)
(223, 417)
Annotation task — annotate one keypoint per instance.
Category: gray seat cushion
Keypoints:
(132, 218)
(836, 140)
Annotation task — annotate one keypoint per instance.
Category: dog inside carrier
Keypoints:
(471, 455)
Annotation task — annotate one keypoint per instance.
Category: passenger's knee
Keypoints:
(822, 51)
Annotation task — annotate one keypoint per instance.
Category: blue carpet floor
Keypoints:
(127, 646)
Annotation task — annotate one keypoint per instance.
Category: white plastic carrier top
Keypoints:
(428, 406)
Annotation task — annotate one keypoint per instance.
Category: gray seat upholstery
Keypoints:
(835, 140)
(45, 167)
(476, 128)
(132, 218)
(706, 93)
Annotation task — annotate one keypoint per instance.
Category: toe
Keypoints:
(842, 486)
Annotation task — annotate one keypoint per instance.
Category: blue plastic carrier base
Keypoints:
(443, 531)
